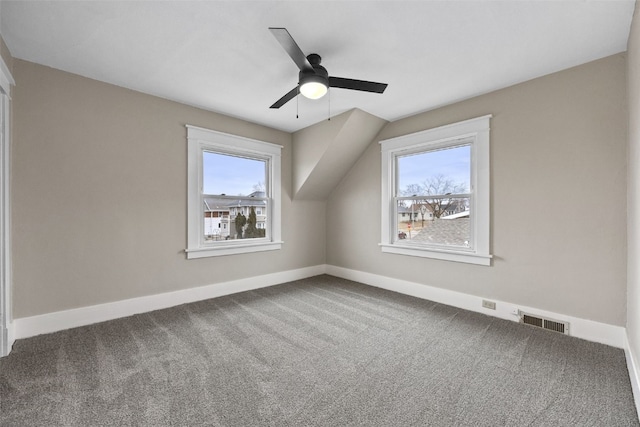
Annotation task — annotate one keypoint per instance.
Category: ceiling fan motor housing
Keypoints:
(318, 74)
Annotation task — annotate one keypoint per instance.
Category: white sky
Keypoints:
(453, 163)
(230, 175)
(234, 176)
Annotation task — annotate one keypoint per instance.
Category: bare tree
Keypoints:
(413, 190)
(437, 185)
(423, 211)
(259, 186)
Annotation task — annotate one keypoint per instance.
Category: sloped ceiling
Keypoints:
(325, 152)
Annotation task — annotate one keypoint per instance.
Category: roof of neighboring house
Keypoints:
(462, 214)
(213, 203)
(404, 209)
(248, 202)
(455, 232)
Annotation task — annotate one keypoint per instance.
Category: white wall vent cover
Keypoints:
(542, 322)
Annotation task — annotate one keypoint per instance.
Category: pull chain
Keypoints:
(329, 112)
(297, 104)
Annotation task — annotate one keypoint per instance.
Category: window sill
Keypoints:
(232, 250)
(446, 255)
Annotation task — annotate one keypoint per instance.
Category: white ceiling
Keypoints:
(220, 56)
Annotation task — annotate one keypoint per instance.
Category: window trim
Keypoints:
(6, 287)
(200, 140)
(477, 132)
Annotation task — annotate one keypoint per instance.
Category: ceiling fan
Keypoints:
(313, 79)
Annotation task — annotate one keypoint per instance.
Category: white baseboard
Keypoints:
(586, 329)
(633, 373)
(52, 322)
(11, 336)
(7, 340)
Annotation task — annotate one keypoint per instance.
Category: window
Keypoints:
(435, 192)
(230, 180)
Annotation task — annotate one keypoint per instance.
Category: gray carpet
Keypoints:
(316, 352)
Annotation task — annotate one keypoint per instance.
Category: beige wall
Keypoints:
(633, 192)
(558, 197)
(99, 196)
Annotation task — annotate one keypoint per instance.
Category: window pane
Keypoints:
(232, 219)
(437, 222)
(231, 175)
(445, 171)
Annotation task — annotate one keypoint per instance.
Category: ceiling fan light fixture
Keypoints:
(314, 86)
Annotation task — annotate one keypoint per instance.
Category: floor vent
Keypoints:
(541, 322)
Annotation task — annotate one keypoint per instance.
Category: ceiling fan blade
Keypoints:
(292, 48)
(357, 84)
(288, 97)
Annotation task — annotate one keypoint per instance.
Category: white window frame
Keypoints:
(6, 316)
(474, 132)
(200, 140)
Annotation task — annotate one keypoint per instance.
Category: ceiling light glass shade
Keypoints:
(313, 87)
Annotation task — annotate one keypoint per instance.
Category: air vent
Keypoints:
(541, 322)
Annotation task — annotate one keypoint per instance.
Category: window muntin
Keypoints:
(230, 180)
(456, 217)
